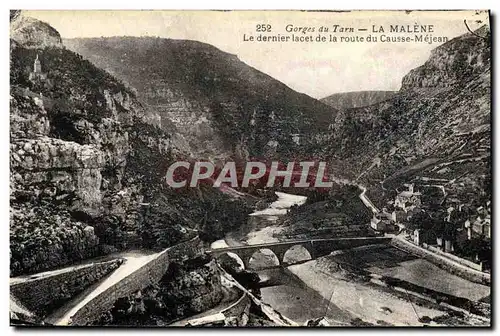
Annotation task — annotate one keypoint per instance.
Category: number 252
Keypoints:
(263, 28)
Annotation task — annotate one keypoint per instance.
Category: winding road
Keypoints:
(131, 263)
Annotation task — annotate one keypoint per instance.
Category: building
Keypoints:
(37, 73)
(480, 227)
(296, 138)
(37, 66)
(421, 237)
(381, 223)
(377, 224)
(399, 216)
(408, 200)
(416, 237)
(448, 245)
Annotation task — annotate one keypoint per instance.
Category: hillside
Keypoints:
(435, 132)
(222, 106)
(345, 100)
(87, 169)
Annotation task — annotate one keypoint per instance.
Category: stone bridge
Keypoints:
(316, 248)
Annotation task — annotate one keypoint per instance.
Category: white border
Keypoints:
(192, 4)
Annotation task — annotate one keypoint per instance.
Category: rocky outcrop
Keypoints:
(186, 289)
(454, 62)
(49, 162)
(69, 145)
(192, 290)
(44, 237)
(28, 116)
(32, 33)
(67, 153)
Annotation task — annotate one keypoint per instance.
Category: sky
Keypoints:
(317, 69)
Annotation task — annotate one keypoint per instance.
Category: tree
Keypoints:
(419, 221)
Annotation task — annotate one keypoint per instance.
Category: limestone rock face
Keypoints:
(32, 33)
(68, 152)
(450, 63)
(435, 132)
(60, 166)
(28, 117)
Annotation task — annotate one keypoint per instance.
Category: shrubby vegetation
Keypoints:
(44, 237)
(339, 212)
(172, 215)
(185, 290)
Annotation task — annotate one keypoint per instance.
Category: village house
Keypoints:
(295, 138)
(382, 221)
(408, 200)
(377, 224)
(480, 226)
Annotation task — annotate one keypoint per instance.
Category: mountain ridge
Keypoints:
(437, 127)
(203, 89)
(352, 99)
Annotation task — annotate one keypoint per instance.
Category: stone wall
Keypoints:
(465, 262)
(186, 250)
(442, 262)
(43, 295)
(150, 273)
(237, 314)
(324, 247)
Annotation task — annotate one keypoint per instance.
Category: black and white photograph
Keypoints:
(250, 168)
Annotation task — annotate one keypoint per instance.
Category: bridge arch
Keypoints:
(296, 254)
(263, 258)
(231, 259)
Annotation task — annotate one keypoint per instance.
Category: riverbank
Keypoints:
(324, 287)
(360, 299)
(386, 287)
(443, 262)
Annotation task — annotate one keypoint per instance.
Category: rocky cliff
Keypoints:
(354, 99)
(32, 33)
(65, 133)
(435, 132)
(87, 166)
(222, 106)
(453, 63)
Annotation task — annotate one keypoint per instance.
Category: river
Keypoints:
(318, 288)
(287, 294)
